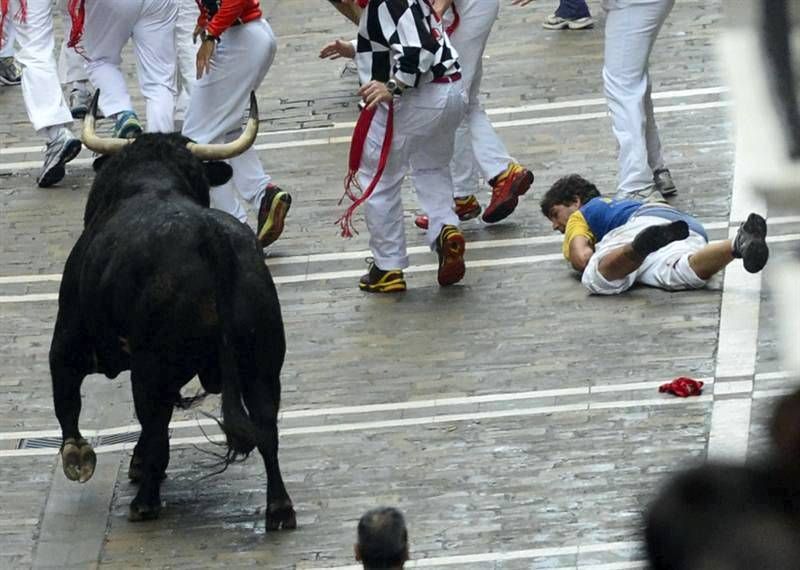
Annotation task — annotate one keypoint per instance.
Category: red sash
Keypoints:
(356, 151)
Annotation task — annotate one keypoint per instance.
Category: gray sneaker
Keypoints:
(649, 195)
(79, 100)
(663, 181)
(10, 71)
(60, 150)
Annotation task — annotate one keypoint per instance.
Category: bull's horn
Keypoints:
(91, 140)
(233, 148)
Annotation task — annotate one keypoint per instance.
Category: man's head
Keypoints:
(565, 196)
(382, 539)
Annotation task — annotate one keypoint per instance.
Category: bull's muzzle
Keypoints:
(109, 145)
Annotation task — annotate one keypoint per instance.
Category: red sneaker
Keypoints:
(466, 208)
(506, 190)
(450, 246)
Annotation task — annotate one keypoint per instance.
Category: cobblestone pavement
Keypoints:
(514, 418)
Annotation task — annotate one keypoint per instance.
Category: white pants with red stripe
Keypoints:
(151, 24)
(218, 103)
(631, 30)
(425, 121)
(41, 89)
(667, 268)
(478, 149)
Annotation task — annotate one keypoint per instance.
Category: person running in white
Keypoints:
(478, 148)
(150, 24)
(236, 52)
(631, 30)
(41, 90)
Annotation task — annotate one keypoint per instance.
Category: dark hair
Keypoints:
(565, 190)
(382, 538)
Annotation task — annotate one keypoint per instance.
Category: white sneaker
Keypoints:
(649, 195)
(59, 151)
(553, 22)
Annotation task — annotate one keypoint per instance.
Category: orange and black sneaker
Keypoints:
(507, 187)
(465, 208)
(450, 246)
(271, 214)
(376, 280)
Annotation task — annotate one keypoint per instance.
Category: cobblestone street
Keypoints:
(513, 418)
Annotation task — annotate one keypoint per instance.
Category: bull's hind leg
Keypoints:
(70, 362)
(154, 411)
(262, 405)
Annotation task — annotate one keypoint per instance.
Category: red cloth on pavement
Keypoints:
(683, 387)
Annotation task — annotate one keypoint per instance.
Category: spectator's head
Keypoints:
(382, 539)
(566, 195)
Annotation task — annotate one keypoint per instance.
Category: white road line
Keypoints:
(35, 164)
(351, 274)
(507, 555)
(577, 103)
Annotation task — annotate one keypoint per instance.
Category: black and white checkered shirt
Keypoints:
(404, 40)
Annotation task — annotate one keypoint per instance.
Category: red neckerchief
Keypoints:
(683, 387)
(363, 3)
(356, 150)
(21, 15)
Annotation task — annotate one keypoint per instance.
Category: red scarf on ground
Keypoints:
(356, 150)
(20, 15)
(683, 387)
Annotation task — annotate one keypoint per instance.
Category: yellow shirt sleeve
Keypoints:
(576, 226)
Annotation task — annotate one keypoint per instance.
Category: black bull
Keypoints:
(161, 285)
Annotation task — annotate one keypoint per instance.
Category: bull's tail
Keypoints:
(240, 432)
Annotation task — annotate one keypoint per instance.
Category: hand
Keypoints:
(373, 93)
(337, 49)
(197, 31)
(204, 55)
(521, 2)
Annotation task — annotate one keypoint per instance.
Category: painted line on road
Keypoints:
(35, 164)
(351, 274)
(520, 109)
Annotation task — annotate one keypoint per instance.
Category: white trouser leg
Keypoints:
(71, 64)
(383, 210)
(41, 89)
(9, 36)
(187, 53)
(219, 99)
(631, 31)
(108, 27)
(154, 46)
(224, 198)
(476, 143)
(655, 158)
(430, 154)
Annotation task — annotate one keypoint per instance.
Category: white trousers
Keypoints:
(218, 103)
(425, 122)
(41, 89)
(631, 30)
(187, 54)
(667, 268)
(151, 24)
(71, 64)
(9, 36)
(478, 149)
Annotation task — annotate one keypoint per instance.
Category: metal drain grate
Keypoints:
(39, 443)
(128, 437)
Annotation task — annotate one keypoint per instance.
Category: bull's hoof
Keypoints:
(78, 459)
(139, 513)
(281, 516)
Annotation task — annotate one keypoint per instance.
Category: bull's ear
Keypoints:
(218, 173)
(99, 162)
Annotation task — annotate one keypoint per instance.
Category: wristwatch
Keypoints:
(207, 36)
(394, 87)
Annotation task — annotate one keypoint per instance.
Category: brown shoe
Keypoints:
(506, 190)
(465, 208)
(450, 246)
(271, 214)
